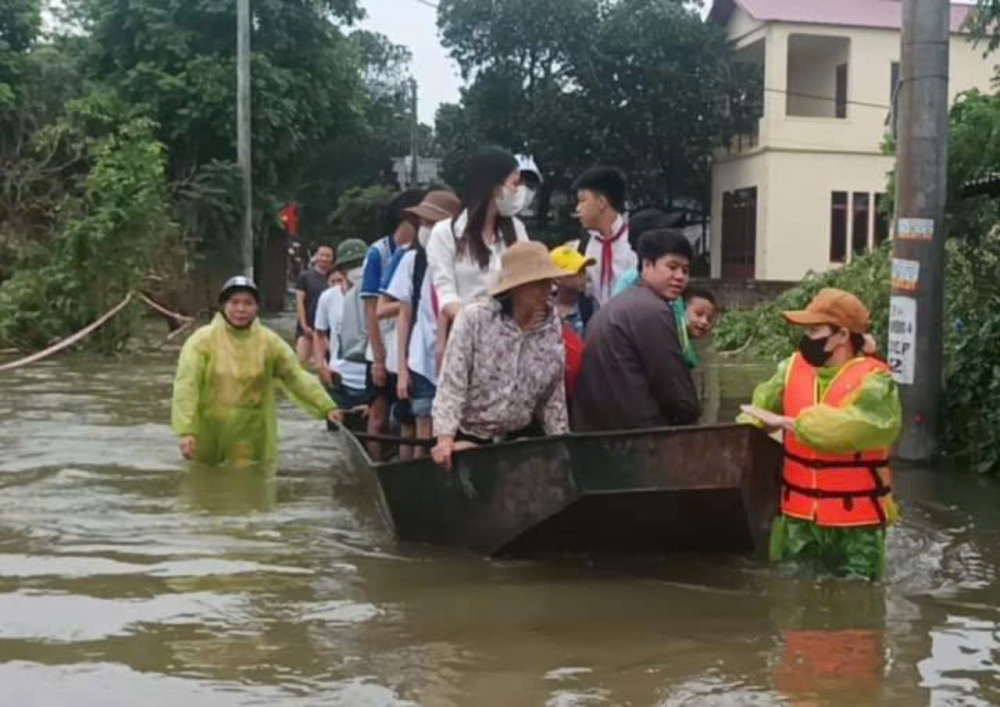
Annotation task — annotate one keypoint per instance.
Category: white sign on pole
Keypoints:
(903, 339)
(915, 229)
(905, 274)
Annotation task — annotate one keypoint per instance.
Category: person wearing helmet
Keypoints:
(223, 407)
(344, 379)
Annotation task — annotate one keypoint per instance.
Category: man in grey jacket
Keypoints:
(634, 374)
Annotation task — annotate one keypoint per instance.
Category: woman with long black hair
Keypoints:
(463, 254)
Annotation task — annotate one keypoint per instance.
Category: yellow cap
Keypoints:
(570, 259)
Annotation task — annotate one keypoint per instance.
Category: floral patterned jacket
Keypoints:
(496, 378)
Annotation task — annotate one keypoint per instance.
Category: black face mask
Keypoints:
(814, 350)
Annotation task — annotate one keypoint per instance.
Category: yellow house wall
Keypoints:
(872, 52)
(799, 161)
(798, 218)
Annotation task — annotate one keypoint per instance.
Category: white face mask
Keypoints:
(424, 235)
(354, 275)
(510, 201)
(528, 195)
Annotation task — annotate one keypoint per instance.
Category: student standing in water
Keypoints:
(223, 407)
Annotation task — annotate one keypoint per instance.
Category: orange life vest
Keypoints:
(832, 490)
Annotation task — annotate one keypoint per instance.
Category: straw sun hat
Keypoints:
(524, 263)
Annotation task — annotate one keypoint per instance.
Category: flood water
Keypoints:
(124, 581)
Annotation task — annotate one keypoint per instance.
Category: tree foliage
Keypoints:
(109, 229)
(642, 84)
(118, 130)
(358, 213)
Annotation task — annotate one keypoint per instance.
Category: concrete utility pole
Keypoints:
(243, 155)
(917, 309)
(414, 133)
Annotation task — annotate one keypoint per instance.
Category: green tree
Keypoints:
(668, 90)
(113, 228)
(177, 61)
(982, 23)
(643, 84)
(358, 213)
(520, 58)
(364, 155)
(20, 22)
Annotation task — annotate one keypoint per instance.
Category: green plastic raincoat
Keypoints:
(871, 420)
(224, 392)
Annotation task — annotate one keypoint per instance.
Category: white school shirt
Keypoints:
(623, 259)
(460, 280)
(423, 335)
(330, 320)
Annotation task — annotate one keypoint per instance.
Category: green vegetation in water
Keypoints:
(970, 414)
(763, 332)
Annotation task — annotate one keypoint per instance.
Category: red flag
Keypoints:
(289, 217)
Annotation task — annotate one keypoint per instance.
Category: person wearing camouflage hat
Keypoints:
(351, 253)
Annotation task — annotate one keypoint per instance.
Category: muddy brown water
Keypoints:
(125, 581)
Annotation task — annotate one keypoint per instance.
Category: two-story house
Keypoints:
(803, 192)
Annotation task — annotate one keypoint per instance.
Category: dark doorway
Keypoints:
(739, 234)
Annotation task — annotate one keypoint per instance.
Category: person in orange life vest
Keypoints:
(839, 412)
(600, 197)
(574, 307)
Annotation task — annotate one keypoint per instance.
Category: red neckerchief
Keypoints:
(607, 256)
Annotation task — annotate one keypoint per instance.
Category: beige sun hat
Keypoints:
(524, 263)
(437, 206)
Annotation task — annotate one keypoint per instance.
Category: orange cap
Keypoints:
(834, 307)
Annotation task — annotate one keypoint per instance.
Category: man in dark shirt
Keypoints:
(634, 374)
(310, 286)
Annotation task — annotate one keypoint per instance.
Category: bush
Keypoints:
(108, 239)
(970, 415)
(764, 333)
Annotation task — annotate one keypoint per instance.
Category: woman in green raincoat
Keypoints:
(224, 393)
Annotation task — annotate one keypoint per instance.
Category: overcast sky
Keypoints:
(414, 25)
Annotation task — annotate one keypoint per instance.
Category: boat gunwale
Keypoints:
(568, 437)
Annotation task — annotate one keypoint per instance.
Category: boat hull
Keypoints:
(700, 489)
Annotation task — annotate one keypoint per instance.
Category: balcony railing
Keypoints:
(740, 144)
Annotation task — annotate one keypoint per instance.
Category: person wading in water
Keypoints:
(839, 412)
(223, 407)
